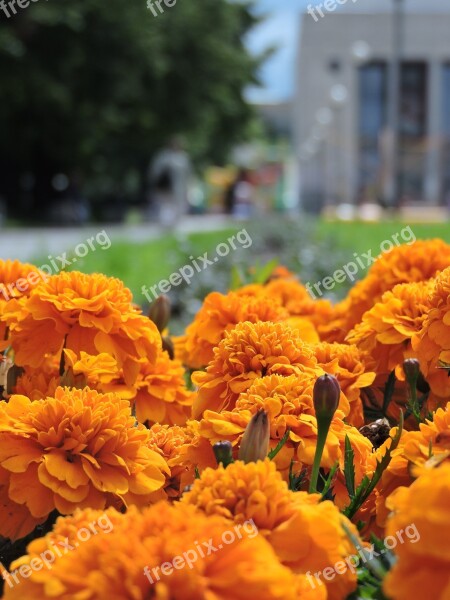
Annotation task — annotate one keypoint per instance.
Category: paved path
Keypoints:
(28, 244)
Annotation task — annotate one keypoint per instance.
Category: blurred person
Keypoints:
(240, 196)
(169, 175)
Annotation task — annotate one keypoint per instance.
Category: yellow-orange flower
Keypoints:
(248, 352)
(184, 451)
(353, 370)
(386, 330)
(421, 514)
(159, 393)
(162, 396)
(16, 280)
(432, 343)
(284, 399)
(219, 314)
(37, 384)
(408, 460)
(90, 313)
(306, 534)
(288, 404)
(410, 263)
(78, 449)
(293, 295)
(112, 565)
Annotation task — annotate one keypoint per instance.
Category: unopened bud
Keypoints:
(223, 451)
(159, 312)
(256, 439)
(411, 368)
(326, 395)
(167, 345)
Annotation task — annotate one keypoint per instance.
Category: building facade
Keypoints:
(352, 146)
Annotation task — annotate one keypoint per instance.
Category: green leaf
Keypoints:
(367, 486)
(329, 480)
(280, 444)
(237, 279)
(349, 467)
(263, 274)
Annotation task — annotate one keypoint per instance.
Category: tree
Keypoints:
(92, 89)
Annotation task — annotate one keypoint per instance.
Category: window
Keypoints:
(371, 121)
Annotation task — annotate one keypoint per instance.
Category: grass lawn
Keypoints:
(147, 263)
(361, 237)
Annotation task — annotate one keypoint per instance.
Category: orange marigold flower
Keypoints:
(78, 449)
(294, 296)
(16, 280)
(248, 352)
(36, 384)
(219, 314)
(306, 534)
(162, 396)
(288, 404)
(416, 262)
(432, 343)
(353, 370)
(284, 399)
(386, 330)
(184, 451)
(159, 393)
(409, 459)
(90, 313)
(126, 563)
(421, 514)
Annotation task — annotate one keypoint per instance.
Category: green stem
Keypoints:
(323, 426)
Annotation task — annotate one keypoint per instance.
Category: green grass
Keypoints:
(361, 237)
(148, 263)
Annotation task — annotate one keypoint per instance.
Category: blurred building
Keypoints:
(353, 146)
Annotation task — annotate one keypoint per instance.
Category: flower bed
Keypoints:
(283, 447)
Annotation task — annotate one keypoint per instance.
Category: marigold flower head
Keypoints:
(90, 313)
(77, 449)
(162, 396)
(255, 492)
(122, 564)
(219, 314)
(420, 512)
(294, 296)
(353, 371)
(412, 454)
(288, 404)
(386, 330)
(159, 393)
(248, 352)
(37, 384)
(169, 441)
(16, 280)
(432, 343)
(284, 399)
(410, 263)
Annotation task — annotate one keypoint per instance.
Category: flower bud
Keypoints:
(223, 451)
(159, 312)
(411, 368)
(167, 345)
(326, 395)
(255, 441)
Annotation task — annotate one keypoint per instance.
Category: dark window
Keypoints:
(371, 121)
(413, 130)
(413, 105)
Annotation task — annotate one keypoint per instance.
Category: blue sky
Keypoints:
(281, 28)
